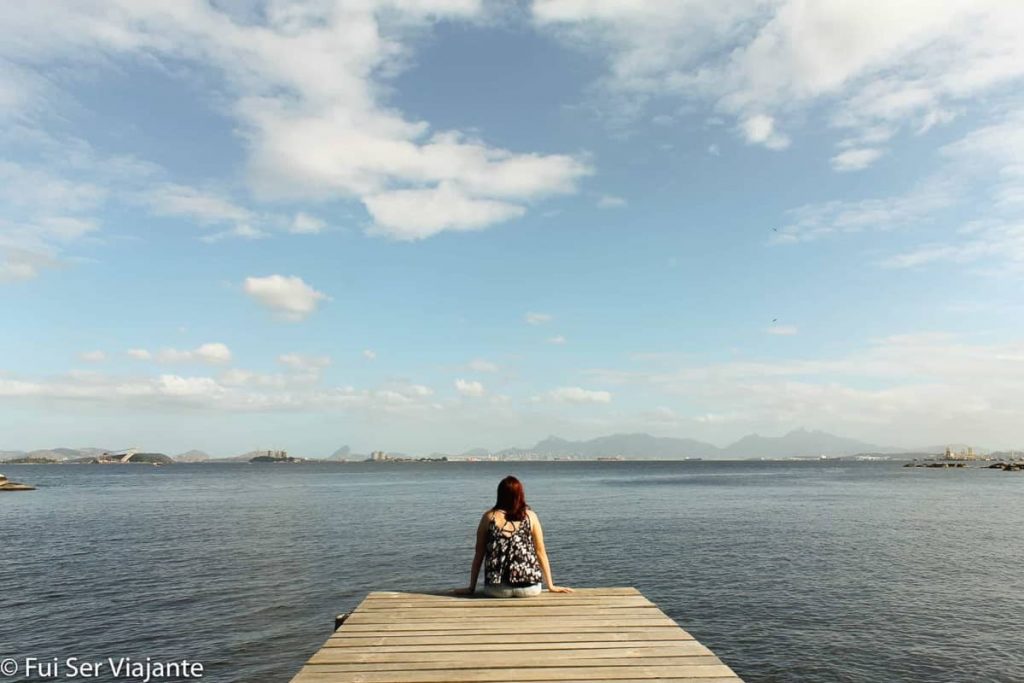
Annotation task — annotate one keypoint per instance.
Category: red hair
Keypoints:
(511, 499)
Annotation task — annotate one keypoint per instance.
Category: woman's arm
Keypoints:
(478, 553)
(542, 554)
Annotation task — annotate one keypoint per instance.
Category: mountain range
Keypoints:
(799, 443)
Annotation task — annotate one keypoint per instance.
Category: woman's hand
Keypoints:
(560, 589)
(463, 591)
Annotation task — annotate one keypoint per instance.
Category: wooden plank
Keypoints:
(507, 639)
(612, 635)
(453, 613)
(567, 673)
(562, 646)
(628, 590)
(519, 626)
(490, 604)
(555, 626)
(688, 648)
(476, 662)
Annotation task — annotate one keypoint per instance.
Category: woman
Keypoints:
(510, 546)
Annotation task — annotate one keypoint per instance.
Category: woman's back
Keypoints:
(511, 557)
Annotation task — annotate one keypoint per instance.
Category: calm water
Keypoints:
(790, 572)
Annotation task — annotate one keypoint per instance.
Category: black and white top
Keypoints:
(511, 558)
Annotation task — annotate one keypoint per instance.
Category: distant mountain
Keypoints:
(193, 456)
(642, 446)
(799, 443)
(343, 453)
(476, 453)
(52, 454)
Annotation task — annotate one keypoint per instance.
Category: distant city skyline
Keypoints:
(434, 225)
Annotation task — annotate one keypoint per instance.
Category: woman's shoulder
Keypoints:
(532, 515)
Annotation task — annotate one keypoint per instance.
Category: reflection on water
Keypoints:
(789, 571)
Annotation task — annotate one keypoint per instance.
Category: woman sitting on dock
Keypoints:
(510, 546)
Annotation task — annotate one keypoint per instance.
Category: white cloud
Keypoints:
(469, 387)
(813, 221)
(206, 208)
(856, 159)
(304, 224)
(369, 354)
(305, 88)
(481, 365)
(557, 340)
(713, 150)
(533, 318)
(213, 353)
(910, 390)
(292, 298)
(610, 202)
(783, 330)
(42, 216)
(579, 395)
(760, 129)
(420, 213)
(989, 240)
(297, 361)
(904, 64)
(93, 356)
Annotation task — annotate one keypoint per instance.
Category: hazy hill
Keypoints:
(795, 444)
(799, 443)
(343, 453)
(53, 454)
(192, 456)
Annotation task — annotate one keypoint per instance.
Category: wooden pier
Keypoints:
(591, 635)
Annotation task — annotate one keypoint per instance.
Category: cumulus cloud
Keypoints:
(303, 85)
(420, 213)
(470, 388)
(760, 129)
(558, 340)
(290, 297)
(534, 318)
(610, 202)
(902, 65)
(579, 395)
(481, 365)
(93, 356)
(298, 361)
(856, 159)
(369, 354)
(304, 224)
(214, 353)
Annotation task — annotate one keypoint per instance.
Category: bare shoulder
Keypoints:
(488, 515)
(534, 519)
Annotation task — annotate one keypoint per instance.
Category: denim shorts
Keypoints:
(503, 591)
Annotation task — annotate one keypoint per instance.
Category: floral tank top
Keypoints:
(511, 558)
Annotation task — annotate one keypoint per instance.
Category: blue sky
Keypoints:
(440, 224)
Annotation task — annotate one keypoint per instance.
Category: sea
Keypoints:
(790, 571)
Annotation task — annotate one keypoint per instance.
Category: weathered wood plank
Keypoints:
(365, 630)
(586, 637)
(489, 675)
(517, 613)
(476, 661)
(502, 603)
(689, 648)
(624, 590)
(509, 640)
(503, 645)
